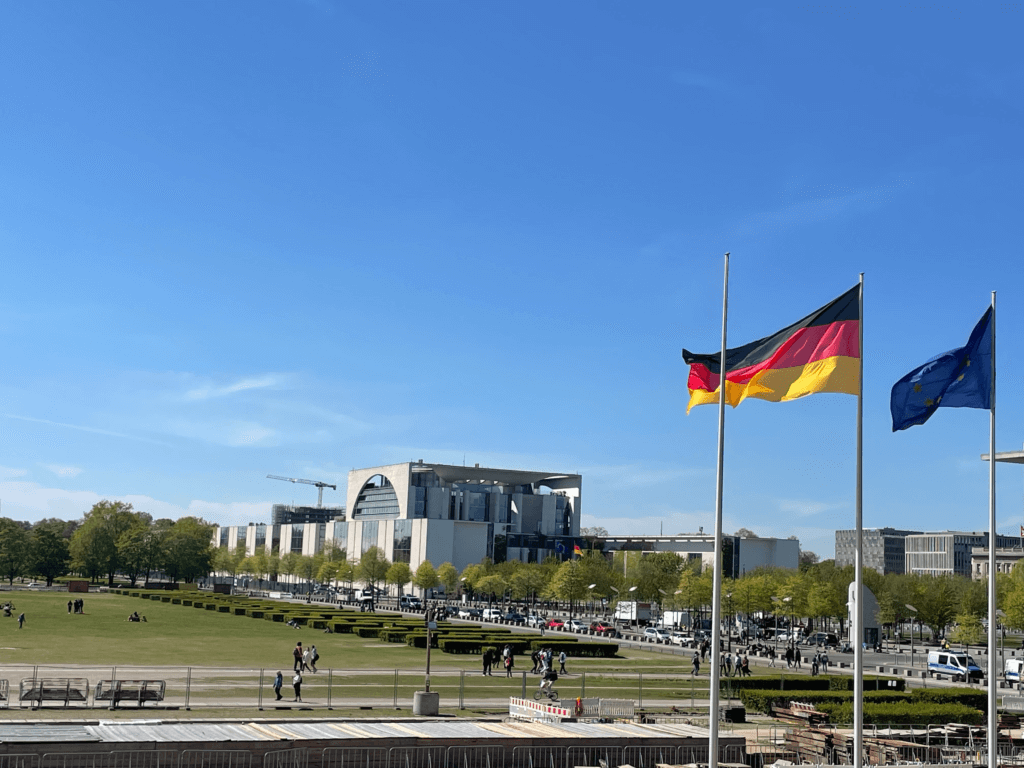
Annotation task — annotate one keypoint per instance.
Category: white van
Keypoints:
(1012, 670)
(492, 614)
(956, 664)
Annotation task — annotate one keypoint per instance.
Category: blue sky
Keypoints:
(243, 238)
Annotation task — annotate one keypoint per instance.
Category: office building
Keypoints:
(884, 549)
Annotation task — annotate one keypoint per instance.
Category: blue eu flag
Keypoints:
(960, 378)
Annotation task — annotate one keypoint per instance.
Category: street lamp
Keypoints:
(661, 606)
(590, 589)
(909, 607)
(616, 591)
(631, 590)
(728, 628)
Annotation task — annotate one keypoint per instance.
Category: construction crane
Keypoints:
(320, 485)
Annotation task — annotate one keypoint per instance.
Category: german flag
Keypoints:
(817, 354)
(577, 551)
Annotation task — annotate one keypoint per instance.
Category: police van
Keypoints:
(1012, 670)
(958, 666)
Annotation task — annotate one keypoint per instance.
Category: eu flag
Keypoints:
(960, 378)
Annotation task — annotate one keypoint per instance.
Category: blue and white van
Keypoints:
(956, 664)
(1012, 670)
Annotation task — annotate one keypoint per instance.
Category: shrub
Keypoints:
(224, 609)
(820, 683)
(967, 697)
(368, 631)
(902, 713)
(175, 601)
(238, 611)
(762, 700)
(186, 602)
(254, 614)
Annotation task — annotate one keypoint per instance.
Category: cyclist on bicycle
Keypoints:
(547, 679)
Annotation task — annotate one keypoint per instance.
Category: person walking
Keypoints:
(696, 663)
(278, 683)
(746, 666)
(297, 656)
(69, 607)
(509, 663)
(771, 657)
(561, 662)
(297, 685)
(314, 656)
(535, 658)
(21, 619)
(307, 656)
(487, 662)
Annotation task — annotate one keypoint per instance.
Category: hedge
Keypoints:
(819, 683)
(964, 696)
(368, 631)
(762, 700)
(902, 713)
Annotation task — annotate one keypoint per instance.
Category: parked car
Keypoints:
(679, 638)
(411, 602)
(470, 613)
(575, 625)
(555, 624)
(533, 620)
(829, 639)
(515, 616)
(603, 627)
(656, 633)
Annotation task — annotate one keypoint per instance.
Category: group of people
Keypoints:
(134, 616)
(305, 659)
(78, 606)
(543, 661)
(820, 663)
(730, 664)
(505, 657)
(296, 685)
(8, 609)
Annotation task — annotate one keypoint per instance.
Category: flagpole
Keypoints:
(993, 733)
(716, 590)
(858, 608)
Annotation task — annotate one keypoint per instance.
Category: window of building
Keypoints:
(224, 537)
(261, 536)
(297, 539)
(402, 550)
(377, 499)
(369, 535)
(341, 534)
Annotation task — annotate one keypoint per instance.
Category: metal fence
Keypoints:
(213, 687)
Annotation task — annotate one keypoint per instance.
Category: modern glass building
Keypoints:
(884, 549)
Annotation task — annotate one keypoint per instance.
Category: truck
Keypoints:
(632, 611)
(678, 619)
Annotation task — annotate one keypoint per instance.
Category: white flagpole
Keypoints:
(858, 609)
(716, 591)
(993, 733)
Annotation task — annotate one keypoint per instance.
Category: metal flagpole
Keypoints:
(858, 598)
(993, 733)
(716, 591)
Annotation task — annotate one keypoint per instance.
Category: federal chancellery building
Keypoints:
(438, 512)
(446, 513)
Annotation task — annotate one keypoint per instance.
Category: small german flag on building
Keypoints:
(577, 551)
(820, 353)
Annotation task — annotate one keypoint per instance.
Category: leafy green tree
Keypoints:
(493, 584)
(373, 567)
(15, 549)
(95, 541)
(653, 574)
(968, 631)
(308, 565)
(136, 547)
(528, 581)
(188, 553)
(568, 584)
(426, 576)
(49, 554)
(449, 577)
(936, 603)
(290, 564)
(399, 574)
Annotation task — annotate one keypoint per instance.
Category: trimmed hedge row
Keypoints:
(819, 683)
(905, 714)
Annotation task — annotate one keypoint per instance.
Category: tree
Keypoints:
(135, 549)
(187, 551)
(307, 567)
(568, 584)
(426, 576)
(746, 533)
(807, 559)
(14, 549)
(597, 531)
(399, 574)
(493, 584)
(449, 577)
(969, 630)
(373, 567)
(95, 541)
(49, 554)
(528, 581)
(936, 603)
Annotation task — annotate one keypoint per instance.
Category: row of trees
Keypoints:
(111, 539)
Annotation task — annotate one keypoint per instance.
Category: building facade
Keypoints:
(949, 552)
(281, 514)
(740, 555)
(1006, 559)
(438, 512)
(884, 549)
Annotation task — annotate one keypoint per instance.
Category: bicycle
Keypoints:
(550, 693)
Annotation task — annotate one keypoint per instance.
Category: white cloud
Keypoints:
(231, 433)
(80, 428)
(32, 501)
(207, 391)
(7, 473)
(63, 471)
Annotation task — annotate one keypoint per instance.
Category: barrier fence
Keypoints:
(462, 756)
(212, 687)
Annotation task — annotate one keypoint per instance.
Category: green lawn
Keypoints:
(183, 636)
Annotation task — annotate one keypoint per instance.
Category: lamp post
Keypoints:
(631, 590)
(909, 607)
(613, 589)
(728, 629)
(661, 607)
(590, 590)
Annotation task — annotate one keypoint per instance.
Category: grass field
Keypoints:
(180, 636)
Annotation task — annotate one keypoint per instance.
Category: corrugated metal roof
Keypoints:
(139, 731)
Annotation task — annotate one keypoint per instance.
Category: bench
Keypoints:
(141, 691)
(66, 690)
